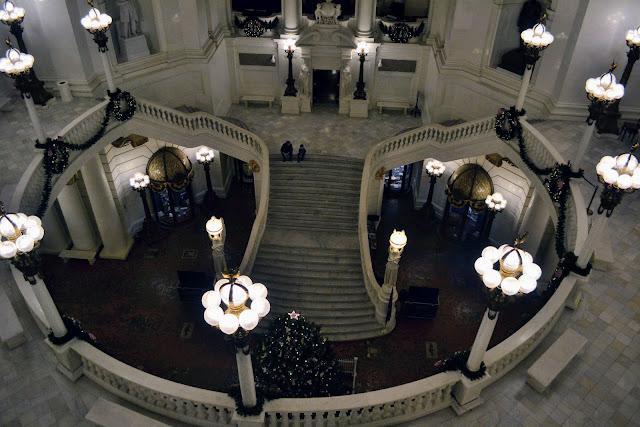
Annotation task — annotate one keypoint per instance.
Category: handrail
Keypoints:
(179, 401)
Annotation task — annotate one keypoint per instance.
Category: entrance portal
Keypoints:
(326, 86)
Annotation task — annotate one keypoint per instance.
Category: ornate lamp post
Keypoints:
(495, 203)
(227, 307)
(18, 66)
(290, 48)
(535, 40)
(205, 157)
(620, 175)
(12, 16)
(435, 169)
(517, 274)
(608, 122)
(602, 91)
(97, 24)
(217, 234)
(385, 311)
(362, 50)
(20, 236)
(139, 183)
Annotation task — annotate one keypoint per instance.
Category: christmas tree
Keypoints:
(294, 360)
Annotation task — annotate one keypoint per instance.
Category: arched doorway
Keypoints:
(170, 172)
(465, 209)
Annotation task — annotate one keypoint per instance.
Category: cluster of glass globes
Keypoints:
(496, 202)
(435, 168)
(15, 63)
(537, 37)
(604, 88)
(620, 171)
(139, 181)
(204, 155)
(398, 239)
(20, 233)
(10, 13)
(633, 37)
(516, 273)
(234, 295)
(95, 21)
(214, 226)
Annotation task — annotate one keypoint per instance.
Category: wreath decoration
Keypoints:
(115, 102)
(507, 123)
(458, 362)
(401, 32)
(254, 26)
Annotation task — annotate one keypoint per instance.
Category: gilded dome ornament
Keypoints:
(170, 168)
(469, 185)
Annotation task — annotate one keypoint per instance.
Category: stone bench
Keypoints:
(11, 331)
(258, 98)
(389, 104)
(555, 359)
(105, 413)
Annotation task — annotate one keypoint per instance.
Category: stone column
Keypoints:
(245, 377)
(365, 16)
(56, 238)
(480, 344)
(85, 242)
(35, 119)
(107, 72)
(592, 238)
(49, 308)
(115, 238)
(526, 78)
(291, 12)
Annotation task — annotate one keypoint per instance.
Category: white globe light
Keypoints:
(37, 233)
(212, 315)
(492, 253)
(258, 290)
(248, 320)
(261, 306)
(635, 179)
(527, 284)
(239, 295)
(491, 279)
(602, 168)
(512, 261)
(8, 249)
(398, 239)
(229, 323)
(214, 226)
(219, 284)
(244, 281)
(482, 265)
(33, 220)
(626, 162)
(624, 182)
(211, 299)
(10, 225)
(532, 270)
(24, 243)
(610, 176)
(510, 286)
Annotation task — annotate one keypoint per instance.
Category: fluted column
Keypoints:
(365, 16)
(49, 309)
(85, 241)
(115, 238)
(291, 13)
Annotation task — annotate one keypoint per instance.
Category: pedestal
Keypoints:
(69, 362)
(359, 108)
(290, 104)
(305, 104)
(344, 106)
(134, 48)
(249, 421)
(466, 394)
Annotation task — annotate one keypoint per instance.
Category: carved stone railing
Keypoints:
(383, 407)
(179, 401)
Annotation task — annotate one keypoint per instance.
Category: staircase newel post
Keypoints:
(385, 309)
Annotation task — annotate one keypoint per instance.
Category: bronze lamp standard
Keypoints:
(290, 89)
(362, 50)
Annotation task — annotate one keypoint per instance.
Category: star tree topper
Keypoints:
(294, 315)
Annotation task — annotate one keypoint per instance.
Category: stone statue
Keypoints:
(345, 79)
(529, 15)
(327, 12)
(129, 19)
(303, 78)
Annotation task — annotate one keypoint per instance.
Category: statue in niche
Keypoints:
(529, 16)
(345, 79)
(130, 24)
(327, 12)
(303, 78)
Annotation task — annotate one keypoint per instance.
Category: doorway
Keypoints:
(326, 86)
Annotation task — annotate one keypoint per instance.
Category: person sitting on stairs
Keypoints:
(287, 151)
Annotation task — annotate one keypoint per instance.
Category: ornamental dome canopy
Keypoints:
(470, 184)
(169, 167)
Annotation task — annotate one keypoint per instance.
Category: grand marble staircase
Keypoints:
(309, 257)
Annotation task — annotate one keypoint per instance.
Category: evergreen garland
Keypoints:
(294, 360)
(56, 155)
(458, 362)
(401, 32)
(508, 127)
(254, 26)
(242, 410)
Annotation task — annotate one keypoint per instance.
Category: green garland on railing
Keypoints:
(508, 127)
(458, 362)
(242, 410)
(56, 155)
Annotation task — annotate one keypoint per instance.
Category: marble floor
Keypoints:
(600, 387)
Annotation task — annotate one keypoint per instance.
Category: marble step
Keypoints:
(313, 227)
(311, 158)
(351, 199)
(301, 203)
(312, 188)
(303, 252)
(298, 273)
(320, 172)
(325, 315)
(283, 259)
(328, 289)
(349, 306)
(304, 215)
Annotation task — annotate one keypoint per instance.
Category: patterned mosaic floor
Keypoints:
(600, 387)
